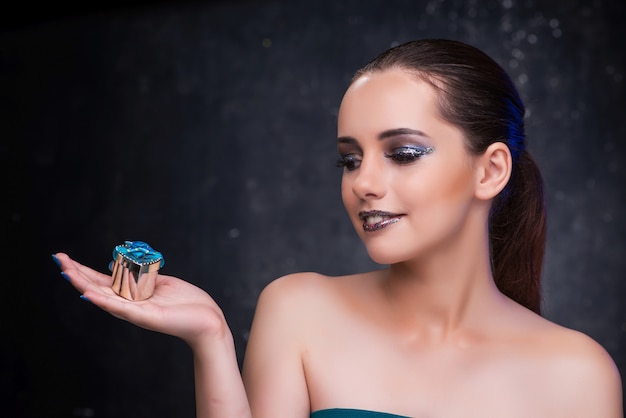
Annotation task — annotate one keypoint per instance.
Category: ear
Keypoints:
(493, 170)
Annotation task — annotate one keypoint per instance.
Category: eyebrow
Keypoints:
(385, 134)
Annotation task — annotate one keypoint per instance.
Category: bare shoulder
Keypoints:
(582, 373)
(281, 329)
(570, 345)
(299, 299)
(296, 281)
(292, 290)
(310, 287)
(307, 302)
(591, 357)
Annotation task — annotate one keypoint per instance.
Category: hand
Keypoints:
(176, 308)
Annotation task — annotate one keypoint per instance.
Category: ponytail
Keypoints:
(517, 235)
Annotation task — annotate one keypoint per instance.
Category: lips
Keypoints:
(374, 220)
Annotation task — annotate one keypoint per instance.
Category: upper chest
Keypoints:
(355, 366)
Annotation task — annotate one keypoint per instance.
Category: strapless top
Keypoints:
(352, 413)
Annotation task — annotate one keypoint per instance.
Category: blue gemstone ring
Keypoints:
(134, 270)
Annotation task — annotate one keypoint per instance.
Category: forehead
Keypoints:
(385, 100)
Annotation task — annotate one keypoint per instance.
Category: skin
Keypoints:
(429, 336)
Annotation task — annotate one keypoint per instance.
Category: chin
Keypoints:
(387, 256)
(384, 250)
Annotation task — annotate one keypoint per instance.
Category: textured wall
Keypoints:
(207, 130)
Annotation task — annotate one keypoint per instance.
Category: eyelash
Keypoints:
(400, 155)
(348, 161)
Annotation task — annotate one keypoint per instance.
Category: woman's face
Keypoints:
(408, 180)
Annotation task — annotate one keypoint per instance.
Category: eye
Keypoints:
(408, 154)
(349, 161)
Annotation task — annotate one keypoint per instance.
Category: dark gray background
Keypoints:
(208, 130)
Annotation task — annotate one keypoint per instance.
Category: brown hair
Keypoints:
(477, 96)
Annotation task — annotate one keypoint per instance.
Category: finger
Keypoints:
(84, 279)
(96, 276)
(68, 264)
(63, 260)
(83, 283)
(140, 313)
(113, 304)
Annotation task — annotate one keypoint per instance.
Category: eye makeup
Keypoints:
(402, 146)
(408, 153)
(349, 161)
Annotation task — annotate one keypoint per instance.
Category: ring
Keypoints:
(134, 270)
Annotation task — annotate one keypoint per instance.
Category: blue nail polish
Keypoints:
(83, 297)
(56, 260)
(65, 276)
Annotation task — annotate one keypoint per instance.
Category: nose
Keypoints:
(369, 179)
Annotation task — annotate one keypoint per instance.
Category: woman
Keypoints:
(439, 186)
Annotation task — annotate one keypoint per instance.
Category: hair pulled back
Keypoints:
(476, 95)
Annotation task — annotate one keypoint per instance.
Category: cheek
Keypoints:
(347, 196)
(344, 191)
(437, 191)
(351, 203)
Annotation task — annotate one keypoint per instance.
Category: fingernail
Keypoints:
(83, 297)
(56, 260)
(65, 276)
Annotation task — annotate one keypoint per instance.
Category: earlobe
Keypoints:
(494, 168)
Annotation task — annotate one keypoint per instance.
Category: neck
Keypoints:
(449, 291)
